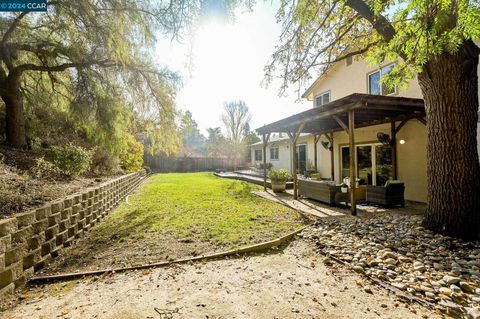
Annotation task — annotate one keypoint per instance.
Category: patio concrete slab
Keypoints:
(306, 206)
(247, 178)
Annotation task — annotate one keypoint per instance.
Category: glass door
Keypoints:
(302, 158)
(364, 164)
(373, 163)
(345, 154)
(383, 164)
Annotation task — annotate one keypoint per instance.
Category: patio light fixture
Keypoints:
(384, 138)
(327, 145)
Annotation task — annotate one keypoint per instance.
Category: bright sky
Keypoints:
(226, 63)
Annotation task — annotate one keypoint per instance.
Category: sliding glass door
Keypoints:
(373, 163)
(364, 164)
(383, 161)
(302, 158)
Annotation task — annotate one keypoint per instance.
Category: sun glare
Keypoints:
(227, 63)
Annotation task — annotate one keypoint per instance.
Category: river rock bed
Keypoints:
(399, 251)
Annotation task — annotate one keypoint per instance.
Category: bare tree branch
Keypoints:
(64, 66)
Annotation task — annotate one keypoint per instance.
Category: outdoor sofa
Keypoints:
(323, 191)
(391, 194)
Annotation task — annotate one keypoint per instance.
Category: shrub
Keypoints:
(45, 169)
(71, 159)
(132, 159)
(240, 189)
(104, 163)
(279, 175)
(147, 169)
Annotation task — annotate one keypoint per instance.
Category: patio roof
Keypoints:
(333, 116)
(345, 114)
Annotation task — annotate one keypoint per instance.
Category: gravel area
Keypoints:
(291, 283)
(397, 250)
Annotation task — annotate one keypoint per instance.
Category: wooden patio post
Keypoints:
(265, 139)
(294, 137)
(316, 138)
(332, 159)
(393, 132)
(353, 175)
(294, 167)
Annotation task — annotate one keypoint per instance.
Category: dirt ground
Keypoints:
(291, 283)
(87, 254)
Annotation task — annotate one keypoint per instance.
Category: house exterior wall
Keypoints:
(411, 156)
(343, 80)
(284, 150)
(283, 154)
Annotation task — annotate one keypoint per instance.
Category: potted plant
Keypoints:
(278, 178)
(310, 169)
(344, 187)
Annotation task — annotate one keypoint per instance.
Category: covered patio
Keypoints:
(345, 114)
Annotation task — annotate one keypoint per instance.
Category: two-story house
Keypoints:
(373, 158)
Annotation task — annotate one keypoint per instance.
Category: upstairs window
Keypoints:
(274, 153)
(322, 99)
(258, 155)
(374, 82)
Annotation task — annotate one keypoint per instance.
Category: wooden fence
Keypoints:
(190, 164)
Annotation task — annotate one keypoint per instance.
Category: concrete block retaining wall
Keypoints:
(29, 240)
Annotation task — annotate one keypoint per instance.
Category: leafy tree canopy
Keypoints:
(216, 143)
(192, 139)
(317, 34)
(92, 61)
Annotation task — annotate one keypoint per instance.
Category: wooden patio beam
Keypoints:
(399, 127)
(294, 138)
(316, 138)
(393, 132)
(422, 120)
(310, 127)
(340, 122)
(394, 106)
(330, 139)
(332, 158)
(265, 138)
(353, 175)
(280, 126)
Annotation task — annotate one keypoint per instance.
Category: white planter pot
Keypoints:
(279, 187)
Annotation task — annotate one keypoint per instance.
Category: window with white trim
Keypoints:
(374, 82)
(274, 153)
(258, 155)
(322, 99)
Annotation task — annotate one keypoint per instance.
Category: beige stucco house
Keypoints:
(373, 158)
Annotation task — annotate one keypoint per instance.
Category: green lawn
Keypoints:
(198, 207)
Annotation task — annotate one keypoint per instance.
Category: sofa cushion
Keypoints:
(393, 182)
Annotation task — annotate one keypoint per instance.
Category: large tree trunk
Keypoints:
(15, 118)
(449, 85)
